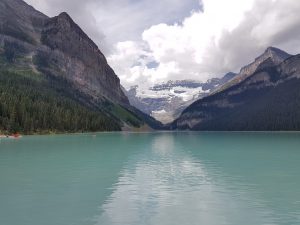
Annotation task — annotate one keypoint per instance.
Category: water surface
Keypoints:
(151, 178)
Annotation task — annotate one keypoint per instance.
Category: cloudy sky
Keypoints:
(150, 41)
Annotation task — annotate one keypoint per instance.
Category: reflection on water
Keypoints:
(163, 186)
(151, 179)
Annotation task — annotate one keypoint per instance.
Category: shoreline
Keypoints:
(141, 132)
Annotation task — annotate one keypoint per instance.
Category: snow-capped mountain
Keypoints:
(166, 101)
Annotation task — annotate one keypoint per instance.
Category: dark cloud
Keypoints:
(268, 23)
(111, 21)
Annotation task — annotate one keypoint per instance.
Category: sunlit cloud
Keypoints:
(222, 38)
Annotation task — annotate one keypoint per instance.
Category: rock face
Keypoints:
(58, 47)
(79, 59)
(276, 55)
(268, 99)
(58, 50)
(21, 21)
(166, 101)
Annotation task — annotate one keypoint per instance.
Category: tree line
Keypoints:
(30, 105)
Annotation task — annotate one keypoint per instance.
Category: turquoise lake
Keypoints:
(151, 178)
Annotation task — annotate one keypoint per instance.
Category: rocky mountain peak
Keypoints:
(82, 60)
(62, 28)
(275, 50)
(64, 21)
(228, 76)
(275, 54)
(272, 49)
(65, 15)
(60, 48)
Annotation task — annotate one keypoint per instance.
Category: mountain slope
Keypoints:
(53, 56)
(276, 55)
(37, 106)
(72, 54)
(268, 99)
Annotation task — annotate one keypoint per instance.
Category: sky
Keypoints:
(153, 41)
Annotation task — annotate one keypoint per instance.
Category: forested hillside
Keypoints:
(30, 104)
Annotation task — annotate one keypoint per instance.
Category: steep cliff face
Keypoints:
(268, 99)
(75, 56)
(58, 46)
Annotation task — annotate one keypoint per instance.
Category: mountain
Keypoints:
(276, 55)
(166, 101)
(267, 99)
(55, 78)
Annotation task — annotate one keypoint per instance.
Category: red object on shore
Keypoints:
(16, 135)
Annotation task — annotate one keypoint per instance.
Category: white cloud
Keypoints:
(144, 44)
(226, 36)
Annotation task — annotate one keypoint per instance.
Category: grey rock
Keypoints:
(57, 46)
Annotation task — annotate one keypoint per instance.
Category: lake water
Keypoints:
(151, 179)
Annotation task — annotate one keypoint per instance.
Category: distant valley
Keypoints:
(166, 101)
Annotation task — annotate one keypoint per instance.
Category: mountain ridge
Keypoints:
(268, 99)
(275, 54)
